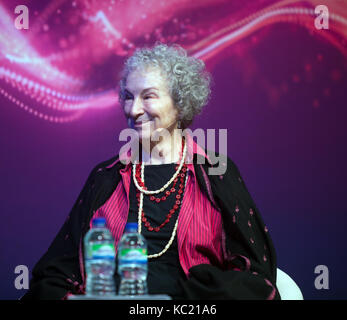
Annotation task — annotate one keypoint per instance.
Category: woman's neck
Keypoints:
(167, 150)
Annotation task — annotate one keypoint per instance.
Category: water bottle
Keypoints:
(99, 259)
(132, 262)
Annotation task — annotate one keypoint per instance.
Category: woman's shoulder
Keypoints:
(103, 169)
(218, 163)
(106, 164)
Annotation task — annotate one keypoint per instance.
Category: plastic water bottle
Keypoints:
(99, 259)
(132, 262)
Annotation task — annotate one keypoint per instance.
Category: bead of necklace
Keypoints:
(143, 190)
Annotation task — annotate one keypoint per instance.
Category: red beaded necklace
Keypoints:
(171, 190)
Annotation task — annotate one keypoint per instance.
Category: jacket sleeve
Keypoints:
(58, 272)
(249, 255)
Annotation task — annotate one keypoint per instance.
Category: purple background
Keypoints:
(280, 90)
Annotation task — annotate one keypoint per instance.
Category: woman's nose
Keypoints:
(136, 108)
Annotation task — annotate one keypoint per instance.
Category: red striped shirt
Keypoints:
(199, 222)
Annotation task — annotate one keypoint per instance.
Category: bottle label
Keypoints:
(132, 256)
(101, 251)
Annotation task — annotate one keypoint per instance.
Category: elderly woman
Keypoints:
(205, 236)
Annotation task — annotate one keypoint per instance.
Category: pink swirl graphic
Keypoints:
(58, 69)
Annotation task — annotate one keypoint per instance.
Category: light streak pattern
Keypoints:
(60, 76)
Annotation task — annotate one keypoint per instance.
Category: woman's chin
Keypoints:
(144, 135)
(144, 131)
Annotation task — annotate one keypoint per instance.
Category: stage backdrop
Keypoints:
(279, 70)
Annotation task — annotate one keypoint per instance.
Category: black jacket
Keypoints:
(60, 271)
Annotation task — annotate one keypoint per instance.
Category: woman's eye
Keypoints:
(127, 97)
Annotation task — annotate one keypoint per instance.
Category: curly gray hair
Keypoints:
(187, 79)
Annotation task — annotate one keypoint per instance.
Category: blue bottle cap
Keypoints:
(99, 222)
(131, 227)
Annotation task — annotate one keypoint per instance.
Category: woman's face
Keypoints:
(148, 105)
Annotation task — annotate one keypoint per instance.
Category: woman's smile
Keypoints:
(140, 123)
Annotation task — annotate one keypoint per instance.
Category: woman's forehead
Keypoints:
(139, 80)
